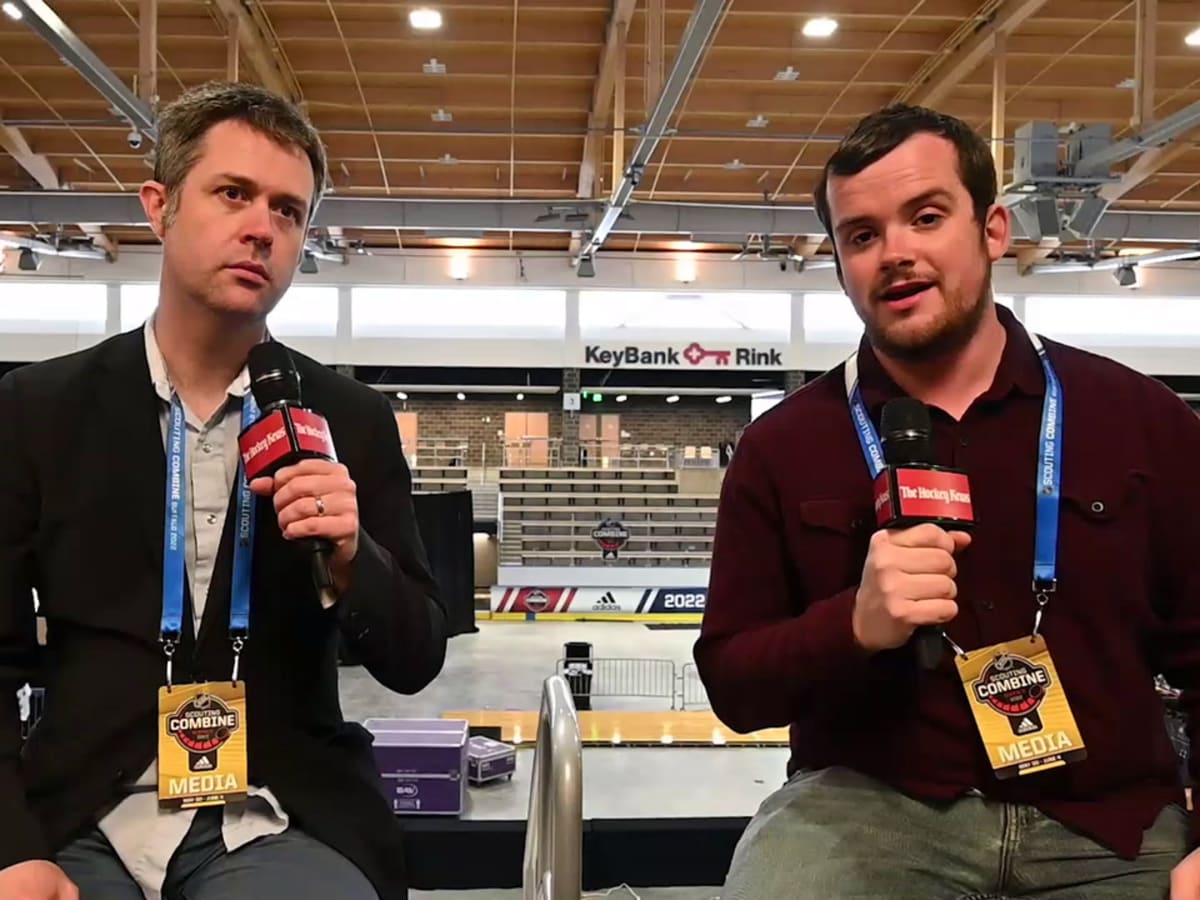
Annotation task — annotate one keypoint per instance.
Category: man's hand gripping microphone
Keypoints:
(285, 434)
(927, 512)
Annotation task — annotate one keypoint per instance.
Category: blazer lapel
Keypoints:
(128, 410)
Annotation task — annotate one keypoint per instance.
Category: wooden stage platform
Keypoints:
(692, 728)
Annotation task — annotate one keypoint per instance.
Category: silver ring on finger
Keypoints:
(320, 506)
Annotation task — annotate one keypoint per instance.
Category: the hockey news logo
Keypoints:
(693, 354)
(1014, 687)
(312, 431)
(262, 445)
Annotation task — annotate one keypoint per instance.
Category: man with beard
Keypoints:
(1085, 584)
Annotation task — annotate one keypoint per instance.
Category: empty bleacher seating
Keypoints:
(548, 516)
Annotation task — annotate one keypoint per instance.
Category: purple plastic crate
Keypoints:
(423, 763)
(488, 760)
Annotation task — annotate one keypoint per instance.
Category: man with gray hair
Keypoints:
(164, 575)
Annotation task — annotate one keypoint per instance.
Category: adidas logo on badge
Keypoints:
(202, 764)
(1026, 726)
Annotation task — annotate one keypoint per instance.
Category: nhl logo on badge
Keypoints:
(201, 726)
(1015, 688)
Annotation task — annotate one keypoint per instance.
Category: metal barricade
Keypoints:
(553, 863)
(611, 677)
(692, 692)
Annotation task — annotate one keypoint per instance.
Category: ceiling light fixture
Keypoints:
(10, 10)
(621, 398)
(440, 115)
(1193, 39)
(674, 398)
(520, 396)
(425, 19)
(788, 74)
(759, 121)
(462, 396)
(724, 398)
(400, 395)
(822, 27)
(433, 67)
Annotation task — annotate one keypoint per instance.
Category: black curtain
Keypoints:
(447, 524)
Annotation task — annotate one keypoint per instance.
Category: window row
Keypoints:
(36, 306)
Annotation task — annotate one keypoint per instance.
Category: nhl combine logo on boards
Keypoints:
(1014, 687)
(536, 600)
(201, 726)
(610, 536)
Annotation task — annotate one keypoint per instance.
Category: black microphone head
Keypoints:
(273, 375)
(906, 431)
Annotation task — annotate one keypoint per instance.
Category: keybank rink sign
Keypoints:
(683, 355)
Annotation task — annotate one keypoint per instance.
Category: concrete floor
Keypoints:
(503, 666)
(617, 893)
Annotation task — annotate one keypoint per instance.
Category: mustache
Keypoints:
(881, 288)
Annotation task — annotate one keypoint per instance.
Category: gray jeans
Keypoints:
(838, 835)
(287, 866)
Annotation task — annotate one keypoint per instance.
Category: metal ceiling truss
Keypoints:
(695, 39)
(693, 221)
(76, 54)
(1060, 176)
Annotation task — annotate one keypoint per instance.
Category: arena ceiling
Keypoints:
(531, 100)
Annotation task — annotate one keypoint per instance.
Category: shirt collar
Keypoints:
(239, 387)
(1020, 369)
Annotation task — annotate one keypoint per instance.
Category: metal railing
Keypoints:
(693, 694)
(601, 454)
(533, 453)
(446, 452)
(553, 865)
(611, 677)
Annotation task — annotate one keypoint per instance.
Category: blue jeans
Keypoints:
(286, 866)
(835, 834)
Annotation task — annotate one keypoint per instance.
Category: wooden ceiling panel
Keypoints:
(526, 138)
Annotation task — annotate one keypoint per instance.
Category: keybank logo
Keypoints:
(693, 354)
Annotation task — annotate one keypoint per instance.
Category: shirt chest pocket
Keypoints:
(1104, 538)
(827, 540)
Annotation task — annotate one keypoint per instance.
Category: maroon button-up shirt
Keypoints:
(777, 647)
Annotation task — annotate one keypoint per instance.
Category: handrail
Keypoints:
(553, 867)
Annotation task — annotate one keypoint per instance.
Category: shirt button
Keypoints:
(206, 447)
(964, 442)
(212, 519)
(1097, 506)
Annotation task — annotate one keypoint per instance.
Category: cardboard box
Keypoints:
(424, 764)
(489, 760)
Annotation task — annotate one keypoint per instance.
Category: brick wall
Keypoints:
(477, 419)
(697, 421)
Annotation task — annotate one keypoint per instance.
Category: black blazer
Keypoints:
(82, 474)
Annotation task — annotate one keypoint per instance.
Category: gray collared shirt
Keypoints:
(144, 836)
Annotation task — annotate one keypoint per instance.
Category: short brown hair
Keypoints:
(183, 123)
(880, 133)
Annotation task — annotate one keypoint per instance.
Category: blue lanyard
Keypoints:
(1049, 468)
(175, 530)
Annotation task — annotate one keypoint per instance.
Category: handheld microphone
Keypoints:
(285, 434)
(912, 490)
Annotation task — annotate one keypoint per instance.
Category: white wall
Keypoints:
(1159, 315)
